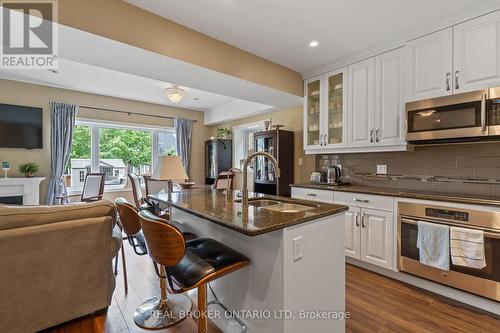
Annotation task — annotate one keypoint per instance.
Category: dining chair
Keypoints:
(154, 185)
(222, 183)
(139, 198)
(93, 189)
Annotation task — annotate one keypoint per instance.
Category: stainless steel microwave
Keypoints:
(470, 116)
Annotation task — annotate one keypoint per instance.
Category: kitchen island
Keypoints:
(295, 282)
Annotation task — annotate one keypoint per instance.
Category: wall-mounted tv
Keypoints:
(20, 127)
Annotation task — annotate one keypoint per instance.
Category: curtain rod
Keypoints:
(128, 112)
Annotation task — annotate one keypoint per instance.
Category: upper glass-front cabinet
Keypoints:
(334, 120)
(312, 113)
(324, 111)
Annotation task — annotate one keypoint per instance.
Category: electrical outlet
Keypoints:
(297, 248)
(301, 161)
(382, 169)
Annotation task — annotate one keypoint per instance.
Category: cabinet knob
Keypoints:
(444, 274)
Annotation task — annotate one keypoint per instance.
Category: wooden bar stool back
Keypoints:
(187, 265)
(166, 247)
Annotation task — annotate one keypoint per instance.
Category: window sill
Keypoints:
(106, 190)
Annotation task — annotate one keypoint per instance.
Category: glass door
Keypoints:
(211, 160)
(264, 169)
(312, 113)
(334, 111)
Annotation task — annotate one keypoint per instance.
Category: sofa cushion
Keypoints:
(24, 216)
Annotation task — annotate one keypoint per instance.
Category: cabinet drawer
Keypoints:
(312, 194)
(365, 200)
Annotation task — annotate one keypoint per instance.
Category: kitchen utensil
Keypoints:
(334, 173)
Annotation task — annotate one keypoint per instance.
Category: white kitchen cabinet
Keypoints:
(352, 233)
(429, 66)
(335, 115)
(313, 112)
(368, 232)
(324, 110)
(361, 103)
(377, 237)
(476, 53)
(458, 59)
(389, 98)
(375, 101)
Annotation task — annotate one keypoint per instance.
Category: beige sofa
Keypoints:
(55, 263)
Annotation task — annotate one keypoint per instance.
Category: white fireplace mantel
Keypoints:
(28, 188)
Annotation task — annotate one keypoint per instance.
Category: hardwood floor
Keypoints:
(376, 304)
(380, 304)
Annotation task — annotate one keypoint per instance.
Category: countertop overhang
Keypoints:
(248, 220)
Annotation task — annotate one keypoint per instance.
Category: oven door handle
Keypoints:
(487, 234)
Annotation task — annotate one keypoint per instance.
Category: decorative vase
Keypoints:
(29, 174)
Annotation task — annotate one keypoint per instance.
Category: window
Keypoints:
(243, 142)
(117, 149)
(81, 176)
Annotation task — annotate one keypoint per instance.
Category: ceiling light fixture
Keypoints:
(175, 93)
(314, 43)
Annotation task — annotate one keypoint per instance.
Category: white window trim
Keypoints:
(246, 128)
(95, 125)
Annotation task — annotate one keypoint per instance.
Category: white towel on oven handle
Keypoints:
(467, 247)
(433, 243)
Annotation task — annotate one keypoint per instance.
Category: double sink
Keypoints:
(282, 206)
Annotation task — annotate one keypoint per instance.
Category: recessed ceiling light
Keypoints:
(314, 43)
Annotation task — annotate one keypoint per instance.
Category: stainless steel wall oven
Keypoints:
(484, 282)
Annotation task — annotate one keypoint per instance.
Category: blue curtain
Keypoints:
(184, 133)
(61, 134)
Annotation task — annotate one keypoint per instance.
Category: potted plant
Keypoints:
(29, 169)
(223, 133)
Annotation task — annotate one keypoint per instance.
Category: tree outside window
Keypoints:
(117, 148)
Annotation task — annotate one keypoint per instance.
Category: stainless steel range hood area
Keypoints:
(468, 117)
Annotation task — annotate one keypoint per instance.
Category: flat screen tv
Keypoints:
(20, 127)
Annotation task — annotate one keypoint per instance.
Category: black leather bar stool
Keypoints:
(185, 265)
(131, 226)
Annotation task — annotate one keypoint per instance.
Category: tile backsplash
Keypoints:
(479, 160)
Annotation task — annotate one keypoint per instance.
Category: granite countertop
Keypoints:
(461, 199)
(251, 221)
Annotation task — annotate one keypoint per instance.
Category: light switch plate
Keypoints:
(382, 169)
(297, 248)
